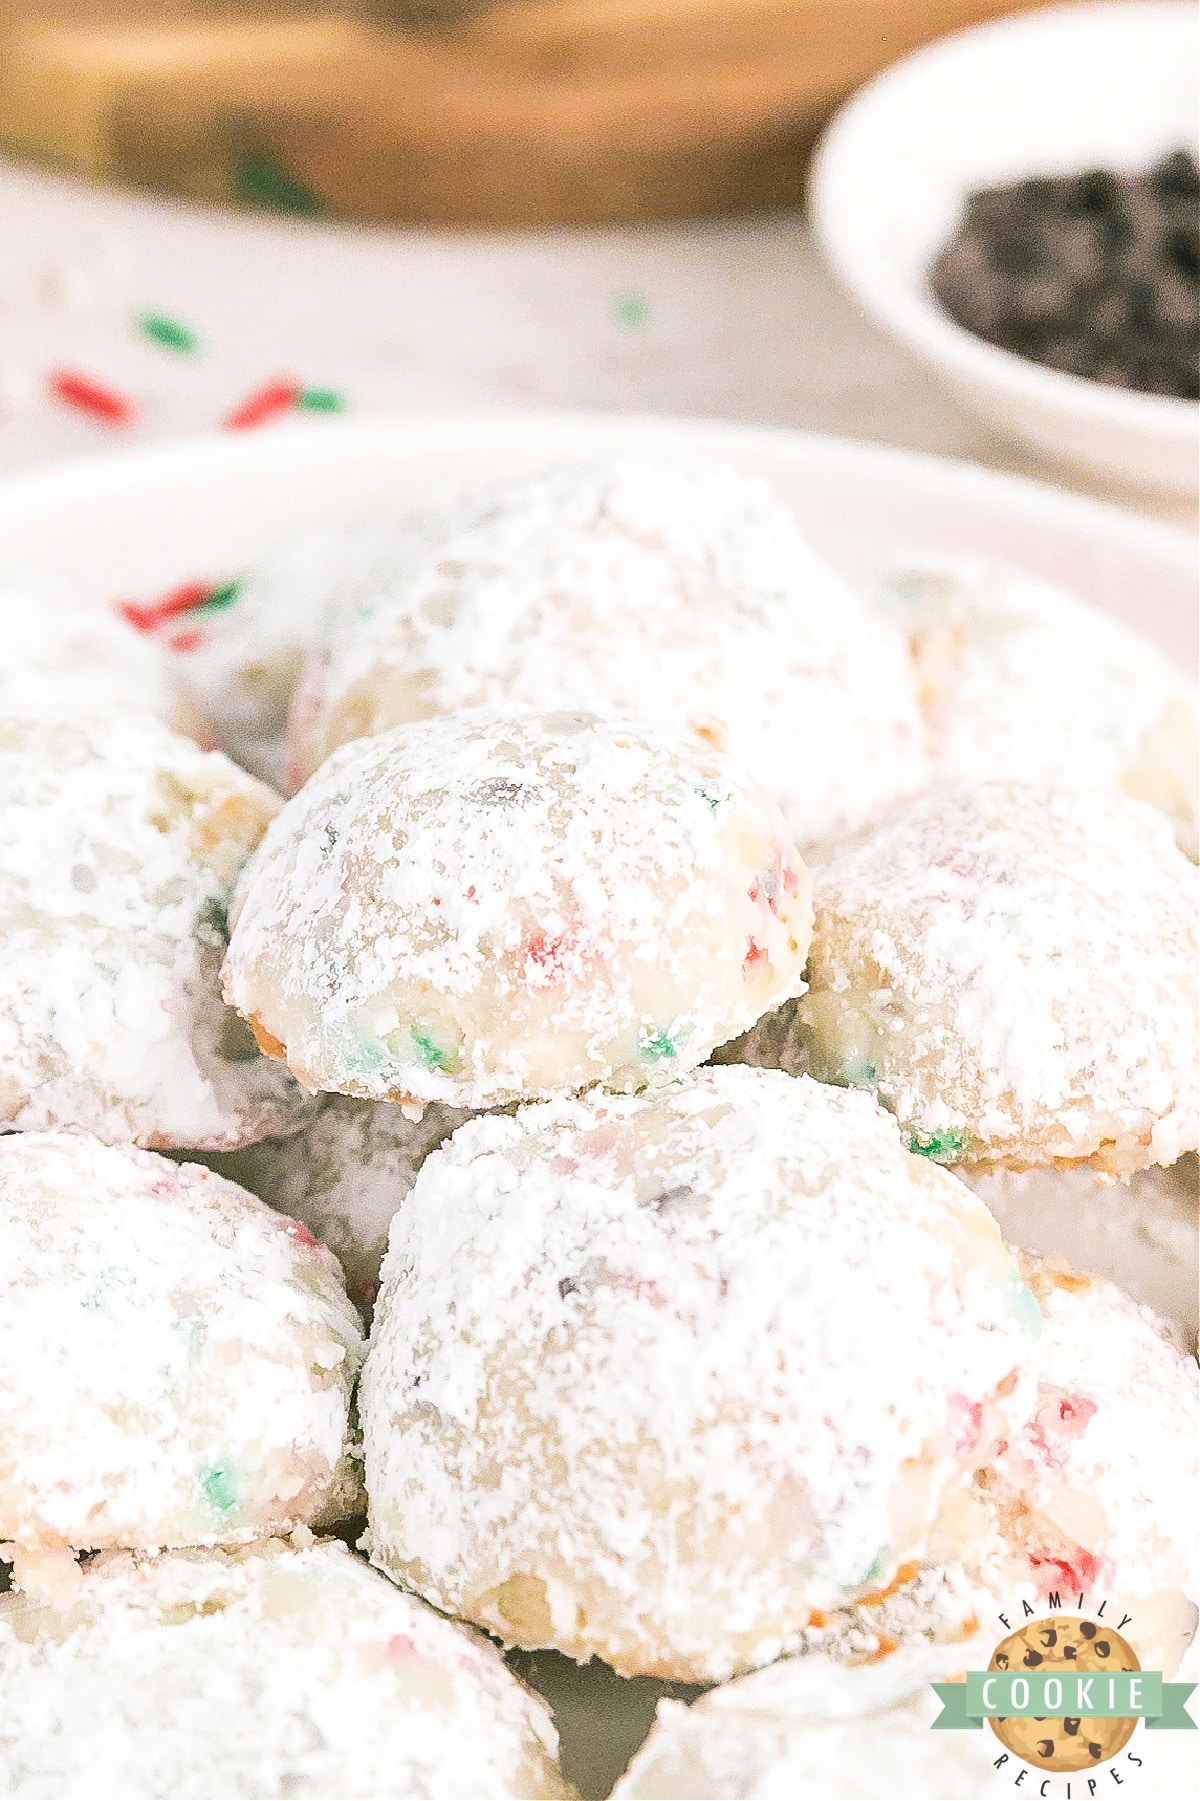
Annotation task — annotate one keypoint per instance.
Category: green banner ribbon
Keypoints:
(1063, 1694)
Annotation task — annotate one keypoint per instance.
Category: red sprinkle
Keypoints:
(965, 1420)
(547, 952)
(180, 600)
(1074, 1412)
(185, 642)
(400, 1648)
(1077, 1574)
(91, 397)
(299, 1232)
(265, 403)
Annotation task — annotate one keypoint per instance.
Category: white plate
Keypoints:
(1053, 92)
(137, 522)
(132, 524)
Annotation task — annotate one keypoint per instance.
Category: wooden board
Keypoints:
(524, 112)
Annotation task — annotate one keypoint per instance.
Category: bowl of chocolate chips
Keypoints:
(1020, 205)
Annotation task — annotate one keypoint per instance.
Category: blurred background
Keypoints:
(429, 203)
(453, 112)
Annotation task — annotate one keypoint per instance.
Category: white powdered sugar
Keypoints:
(240, 660)
(62, 655)
(492, 907)
(678, 588)
(176, 1360)
(272, 1671)
(1020, 680)
(1100, 1492)
(119, 846)
(656, 1378)
(1012, 969)
(345, 1175)
(806, 1727)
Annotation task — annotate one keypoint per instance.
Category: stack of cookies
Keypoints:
(578, 1131)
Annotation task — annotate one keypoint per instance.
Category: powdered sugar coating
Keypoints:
(119, 846)
(1141, 1234)
(676, 588)
(487, 908)
(1097, 1494)
(345, 1175)
(176, 1360)
(654, 1378)
(241, 660)
(61, 655)
(1100, 1491)
(1013, 970)
(1021, 680)
(271, 1671)
(808, 1728)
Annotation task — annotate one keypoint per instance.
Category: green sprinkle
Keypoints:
(261, 182)
(432, 1055)
(1023, 1305)
(940, 1147)
(413, 1043)
(861, 1075)
(321, 400)
(219, 1486)
(714, 800)
(219, 599)
(663, 1045)
(173, 334)
(877, 1565)
(630, 311)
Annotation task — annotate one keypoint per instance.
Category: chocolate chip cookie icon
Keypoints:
(1067, 1644)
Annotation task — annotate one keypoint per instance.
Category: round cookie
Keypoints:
(269, 1671)
(807, 1728)
(1140, 1234)
(488, 908)
(176, 1360)
(64, 657)
(1022, 681)
(1095, 1495)
(1099, 1493)
(682, 589)
(241, 658)
(729, 1345)
(1012, 970)
(344, 1176)
(119, 846)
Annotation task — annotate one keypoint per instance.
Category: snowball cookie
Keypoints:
(653, 1378)
(268, 1671)
(176, 1360)
(345, 1175)
(1096, 1494)
(241, 656)
(676, 588)
(1099, 1493)
(1022, 680)
(808, 1728)
(119, 845)
(64, 656)
(1141, 1234)
(1012, 969)
(488, 908)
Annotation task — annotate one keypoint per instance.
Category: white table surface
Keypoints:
(724, 318)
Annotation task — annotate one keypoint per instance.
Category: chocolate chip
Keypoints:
(1095, 274)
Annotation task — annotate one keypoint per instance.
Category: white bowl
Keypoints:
(134, 523)
(1047, 93)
